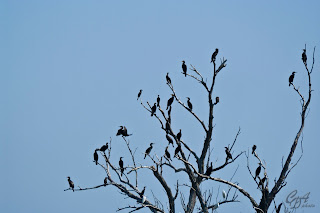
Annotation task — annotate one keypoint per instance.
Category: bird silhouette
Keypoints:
(158, 101)
(169, 139)
(123, 131)
(229, 156)
(304, 57)
(189, 104)
(105, 181)
(148, 151)
(254, 147)
(291, 78)
(279, 208)
(95, 156)
(71, 184)
(184, 68)
(179, 135)
(104, 147)
(139, 94)
(177, 150)
(153, 109)
(209, 170)
(167, 154)
(170, 100)
(258, 170)
(121, 165)
(217, 100)
(214, 55)
(168, 78)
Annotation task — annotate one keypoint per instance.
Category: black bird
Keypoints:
(104, 147)
(229, 156)
(120, 131)
(177, 150)
(258, 170)
(71, 184)
(184, 68)
(214, 55)
(167, 154)
(105, 181)
(189, 104)
(168, 78)
(304, 57)
(125, 132)
(254, 147)
(209, 170)
(179, 135)
(158, 101)
(142, 192)
(291, 78)
(148, 151)
(217, 99)
(121, 165)
(153, 109)
(279, 207)
(139, 94)
(264, 179)
(169, 139)
(170, 101)
(167, 127)
(95, 156)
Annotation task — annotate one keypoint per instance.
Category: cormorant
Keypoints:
(184, 68)
(120, 131)
(214, 55)
(142, 192)
(121, 165)
(179, 135)
(254, 147)
(170, 101)
(167, 127)
(167, 154)
(224, 194)
(217, 99)
(304, 56)
(258, 170)
(169, 139)
(105, 181)
(279, 207)
(153, 109)
(177, 150)
(95, 156)
(71, 184)
(104, 147)
(189, 104)
(229, 156)
(139, 94)
(125, 132)
(168, 78)
(158, 101)
(148, 151)
(264, 179)
(291, 78)
(209, 170)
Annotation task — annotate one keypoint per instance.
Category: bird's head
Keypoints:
(226, 148)
(183, 62)
(188, 98)
(121, 158)
(68, 177)
(293, 72)
(151, 144)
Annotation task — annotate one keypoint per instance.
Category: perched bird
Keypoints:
(179, 135)
(224, 194)
(169, 139)
(254, 147)
(264, 179)
(70, 183)
(167, 154)
(168, 78)
(217, 99)
(170, 101)
(95, 156)
(291, 78)
(209, 170)
(139, 94)
(104, 147)
(120, 131)
(167, 127)
(304, 57)
(121, 165)
(177, 150)
(229, 156)
(125, 132)
(148, 151)
(184, 68)
(189, 104)
(153, 109)
(105, 181)
(258, 170)
(214, 55)
(158, 101)
(142, 192)
(279, 207)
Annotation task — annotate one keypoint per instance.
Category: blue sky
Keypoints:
(70, 73)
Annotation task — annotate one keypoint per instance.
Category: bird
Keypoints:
(217, 99)
(167, 127)
(95, 156)
(169, 139)
(177, 150)
(120, 131)
(168, 78)
(279, 207)
(148, 151)
(142, 192)
(139, 94)
(229, 156)
(291, 78)
(104, 147)
(170, 101)
(184, 68)
(158, 101)
(189, 104)
(224, 194)
(167, 154)
(153, 109)
(179, 135)
(304, 57)
(125, 132)
(105, 181)
(121, 165)
(71, 184)
(258, 170)
(254, 147)
(264, 179)
(214, 55)
(209, 170)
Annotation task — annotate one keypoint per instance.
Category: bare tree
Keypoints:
(185, 161)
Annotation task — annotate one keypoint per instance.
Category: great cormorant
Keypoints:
(95, 156)
(167, 154)
(139, 94)
(168, 78)
(105, 181)
(291, 78)
(258, 170)
(121, 165)
(167, 127)
(189, 104)
(214, 55)
(142, 192)
(229, 156)
(254, 147)
(209, 170)
(224, 194)
(169, 139)
(158, 101)
(148, 151)
(71, 184)
(217, 99)
(170, 101)
(153, 109)
(304, 56)
(184, 68)
(104, 147)
(179, 135)
(120, 131)
(177, 150)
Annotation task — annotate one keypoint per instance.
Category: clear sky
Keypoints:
(70, 72)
